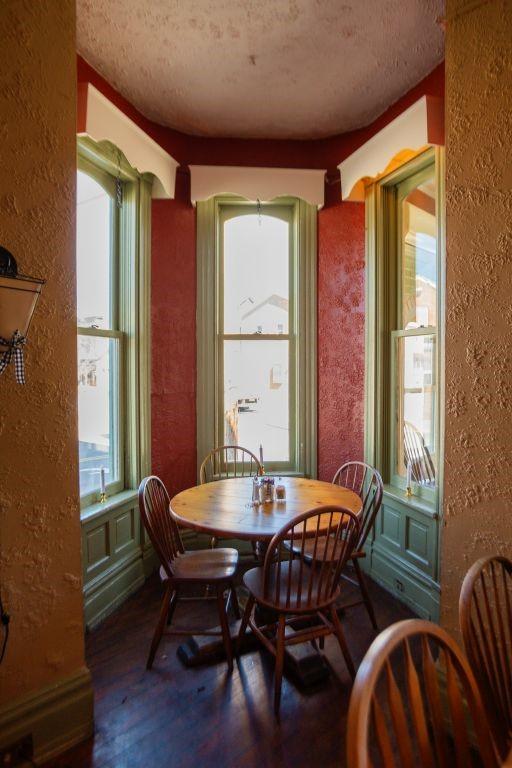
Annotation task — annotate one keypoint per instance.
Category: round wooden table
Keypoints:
(223, 508)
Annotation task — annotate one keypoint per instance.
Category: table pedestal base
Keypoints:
(303, 665)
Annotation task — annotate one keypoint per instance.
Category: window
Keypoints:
(99, 339)
(257, 331)
(113, 210)
(414, 343)
(258, 275)
(403, 344)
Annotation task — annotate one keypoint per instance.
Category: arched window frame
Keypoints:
(304, 227)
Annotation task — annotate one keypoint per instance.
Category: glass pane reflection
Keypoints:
(97, 414)
(256, 397)
(419, 261)
(256, 275)
(416, 411)
(93, 253)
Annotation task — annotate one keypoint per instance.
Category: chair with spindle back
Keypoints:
(415, 704)
(367, 483)
(213, 568)
(289, 587)
(485, 611)
(225, 462)
(229, 461)
(418, 455)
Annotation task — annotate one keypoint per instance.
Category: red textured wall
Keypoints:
(340, 287)
(173, 339)
(340, 336)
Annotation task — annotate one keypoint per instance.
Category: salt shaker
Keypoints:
(255, 491)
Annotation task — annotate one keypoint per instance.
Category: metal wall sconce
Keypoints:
(18, 298)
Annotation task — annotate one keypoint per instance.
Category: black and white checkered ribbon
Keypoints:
(14, 351)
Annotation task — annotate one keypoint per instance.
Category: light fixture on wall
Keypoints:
(18, 298)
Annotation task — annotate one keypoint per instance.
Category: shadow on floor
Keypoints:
(173, 717)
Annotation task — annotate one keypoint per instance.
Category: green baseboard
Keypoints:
(109, 589)
(408, 584)
(57, 716)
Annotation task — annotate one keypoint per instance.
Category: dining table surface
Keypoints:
(223, 508)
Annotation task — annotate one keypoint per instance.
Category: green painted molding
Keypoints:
(308, 369)
(144, 468)
(110, 588)
(205, 324)
(123, 566)
(382, 275)
(420, 592)
(440, 160)
(125, 499)
(303, 217)
(57, 716)
(105, 162)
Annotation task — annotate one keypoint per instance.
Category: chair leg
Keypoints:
(162, 618)
(234, 598)
(364, 591)
(245, 621)
(279, 663)
(343, 643)
(225, 627)
(172, 606)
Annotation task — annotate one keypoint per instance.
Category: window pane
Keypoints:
(93, 249)
(419, 263)
(98, 373)
(256, 274)
(416, 407)
(256, 397)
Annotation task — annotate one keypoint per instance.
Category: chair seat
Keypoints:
(299, 591)
(204, 565)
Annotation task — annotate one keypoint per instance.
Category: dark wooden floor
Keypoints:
(179, 718)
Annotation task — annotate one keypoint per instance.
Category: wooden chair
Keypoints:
(367, 483)
(225, 462)
(290, 588)
(486, 623)
(416, 452)
(400, 712)
(229, 461)
(213, 568)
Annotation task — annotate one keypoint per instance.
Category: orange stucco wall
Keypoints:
(40, 561)
(478, 432)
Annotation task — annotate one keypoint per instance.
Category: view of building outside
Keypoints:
(416, 354)
(96, 355)
(256, 304)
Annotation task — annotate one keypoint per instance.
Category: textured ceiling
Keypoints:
(261, 68)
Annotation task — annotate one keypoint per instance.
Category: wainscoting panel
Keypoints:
(116, 556)
(402, 553)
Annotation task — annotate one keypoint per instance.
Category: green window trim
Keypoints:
(303, 217)
(382, 291)
(131, 311)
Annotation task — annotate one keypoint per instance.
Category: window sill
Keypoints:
(427, 508)
(118, 500)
